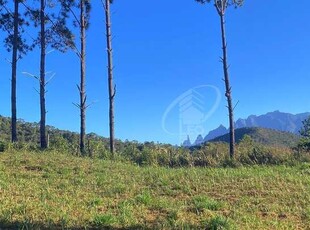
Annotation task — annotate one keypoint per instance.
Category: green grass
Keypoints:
(57, 191)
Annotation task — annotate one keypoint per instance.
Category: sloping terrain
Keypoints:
(264, 136)
(58, 191)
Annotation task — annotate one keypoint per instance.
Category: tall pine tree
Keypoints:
(80, 12)
(13, 23)
(111, 86)
(221, 6)
(53, 32)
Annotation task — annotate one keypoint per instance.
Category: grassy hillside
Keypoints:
(264, 136)
(52, 190)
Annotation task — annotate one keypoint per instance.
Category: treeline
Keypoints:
(248, 151)
(62, 25)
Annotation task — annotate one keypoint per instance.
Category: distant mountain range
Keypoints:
(276, 120)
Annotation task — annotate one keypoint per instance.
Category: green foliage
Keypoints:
(57, 33)
(104, 220)
(144, 198)
(249, 151)
(306, 214)
(60, 143)
(304, 144)
(53, 190)
(230, 163)
(2, 146)
(218, 223)
(305, 168)
(202, 203)
(302, 149)
(263, 136)
(153, 154)
(7, 26)
(210, 154)
(305, 130)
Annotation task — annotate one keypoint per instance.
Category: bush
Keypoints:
(60, 144)
(16, 146)
(302, 150)
(303, 145)
(261, 155)
(148, 157)
(2, 146)
(252, 153)
(301, 155)
(230, 163)
(211, 154)
(163, 159)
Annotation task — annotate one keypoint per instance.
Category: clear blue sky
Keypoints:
(162, 49)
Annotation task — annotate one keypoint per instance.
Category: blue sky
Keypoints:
(162, 51)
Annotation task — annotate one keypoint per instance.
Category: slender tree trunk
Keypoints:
(228, 88)
(110, 74)
(42, 78)
(14, 68)
(82, 83)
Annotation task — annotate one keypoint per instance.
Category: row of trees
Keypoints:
(53, 20)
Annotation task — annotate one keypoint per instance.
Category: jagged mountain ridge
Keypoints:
(221, 130)
(276, 120)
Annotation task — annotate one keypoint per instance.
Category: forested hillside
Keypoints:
(29, 132)
(264, 136)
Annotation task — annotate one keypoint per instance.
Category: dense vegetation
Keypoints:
(56, 191)
(249, 151)
(264, 136)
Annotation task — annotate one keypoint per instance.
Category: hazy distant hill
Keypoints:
(221, 130)
(264, 136)
(274, 120)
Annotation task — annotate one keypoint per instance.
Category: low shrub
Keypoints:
(205, 203)
(218, 223)
(3, 146)
(252, 153)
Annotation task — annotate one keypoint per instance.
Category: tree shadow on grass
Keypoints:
(6, 225)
